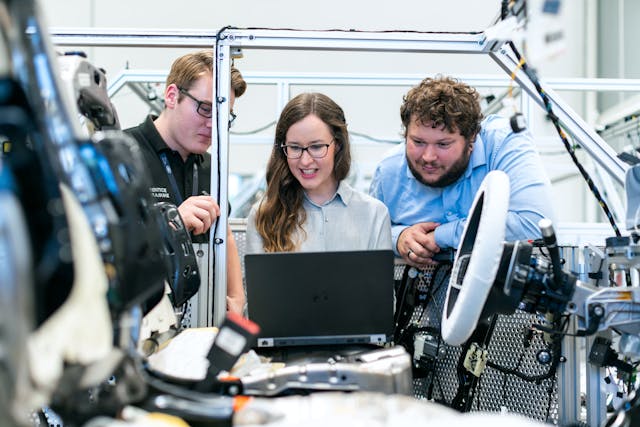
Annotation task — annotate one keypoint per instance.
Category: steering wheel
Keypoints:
(473, 274)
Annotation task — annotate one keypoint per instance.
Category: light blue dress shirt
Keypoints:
(496, 147)
(349, 221)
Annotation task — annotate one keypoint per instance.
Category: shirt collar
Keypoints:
(344, 193)
(478, 157)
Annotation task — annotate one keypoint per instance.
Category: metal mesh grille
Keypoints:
(188, 320)
(442, 383)
(496, 390)
(509, 349)
(240, 237)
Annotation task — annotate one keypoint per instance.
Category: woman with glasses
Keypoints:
(308, 206)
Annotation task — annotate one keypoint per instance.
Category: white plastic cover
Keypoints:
(486, 236)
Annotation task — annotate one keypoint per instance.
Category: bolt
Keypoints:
(598, 311)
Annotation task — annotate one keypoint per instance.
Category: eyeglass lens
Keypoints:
(317, 151)
(205, 109)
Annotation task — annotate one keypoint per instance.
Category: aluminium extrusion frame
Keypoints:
(396, 42)
(356, 41)
(305, 40)
(329, 41)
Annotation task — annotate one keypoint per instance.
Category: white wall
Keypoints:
(370, 111)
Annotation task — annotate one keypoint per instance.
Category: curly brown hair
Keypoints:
(280, 212)
(443, 101)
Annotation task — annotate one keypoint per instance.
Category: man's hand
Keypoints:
(417, 244)
(198, 213)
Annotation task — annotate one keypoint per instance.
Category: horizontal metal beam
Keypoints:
(595, 84)
(356, 41)
(275, 39)
(127, 77)
(371, 79)
(122, 37)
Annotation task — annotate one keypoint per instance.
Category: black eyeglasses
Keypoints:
(232, 118)
(204, 108)
(317, 151)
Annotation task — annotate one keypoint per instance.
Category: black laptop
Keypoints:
(317, 298)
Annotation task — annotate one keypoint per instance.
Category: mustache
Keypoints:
(423, 163)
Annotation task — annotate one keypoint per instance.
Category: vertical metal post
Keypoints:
(217, 302)
(596, 399)
(568, 379)
(200, 302)
(283, 96)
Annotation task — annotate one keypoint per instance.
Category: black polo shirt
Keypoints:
(182, 179)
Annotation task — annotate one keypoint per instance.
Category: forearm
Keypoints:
(519, 226)
(448, 235)
(235, 288)
(523, 225)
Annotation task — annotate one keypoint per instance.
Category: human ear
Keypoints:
(171, 94)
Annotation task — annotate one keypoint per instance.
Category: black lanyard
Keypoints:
(172, 179)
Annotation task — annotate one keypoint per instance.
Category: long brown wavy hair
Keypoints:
(280, 213)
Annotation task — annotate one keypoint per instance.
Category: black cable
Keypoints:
(404, 286)
(549, 400)
(504, 9)
(430, 294)
(555, 349)
(341, 30)
(556, 123)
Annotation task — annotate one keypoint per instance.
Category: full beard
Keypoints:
(451, 175)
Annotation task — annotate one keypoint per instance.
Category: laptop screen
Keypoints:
(305, 298)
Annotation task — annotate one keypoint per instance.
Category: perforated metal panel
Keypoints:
(442, 383)
(496, 390)
(509, 349)
(52, 419)
(188, 319)
(238, 228)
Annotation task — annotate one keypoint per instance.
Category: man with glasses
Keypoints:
(174, 145)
